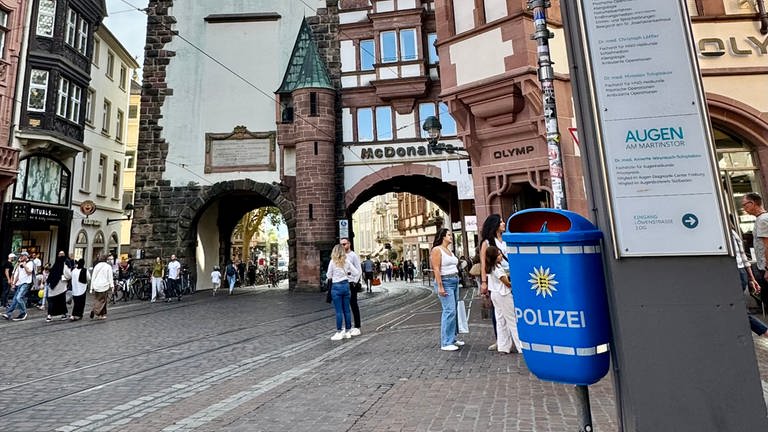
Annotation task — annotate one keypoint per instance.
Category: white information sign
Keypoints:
(652, 120)
(343, 228)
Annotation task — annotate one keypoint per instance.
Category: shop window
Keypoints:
(98, 245)
(739, 173)
(43, 180)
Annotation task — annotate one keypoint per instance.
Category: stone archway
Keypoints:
(272, 193)
(741, 119)
(370, 181)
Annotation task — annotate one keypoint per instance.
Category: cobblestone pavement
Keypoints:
(262, 360)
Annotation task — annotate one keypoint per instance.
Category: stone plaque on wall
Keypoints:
(240, 150)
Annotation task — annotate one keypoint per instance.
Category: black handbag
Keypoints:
(328, 284)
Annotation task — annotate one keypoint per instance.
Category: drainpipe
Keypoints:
(763, 16)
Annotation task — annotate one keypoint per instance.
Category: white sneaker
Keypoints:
(355, 332)
(338, 335)
(449, 348)
(348, 335)
(458, 343)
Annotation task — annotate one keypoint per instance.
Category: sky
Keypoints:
(128, 25)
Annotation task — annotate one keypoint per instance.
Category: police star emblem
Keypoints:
(543, 281)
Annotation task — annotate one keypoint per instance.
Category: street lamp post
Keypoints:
(127, 213)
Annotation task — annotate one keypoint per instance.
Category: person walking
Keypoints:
(354, 283)
(752, 203)
(231, 274)
(158, 271)
(507, 338)
(22, 279)
(490, 235)
(80, 278)
(102, 281)
(367, 267)
(174, 273)
(7, 279)
(58, 280)
(444, 267)
(216, 279)
(339, 271)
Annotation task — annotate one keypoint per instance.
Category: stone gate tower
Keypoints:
(307, 128)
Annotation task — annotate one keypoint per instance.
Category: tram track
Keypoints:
(377, 308)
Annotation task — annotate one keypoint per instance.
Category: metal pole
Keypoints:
(546, 78)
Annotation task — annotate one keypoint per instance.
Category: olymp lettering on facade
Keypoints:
(716, 47)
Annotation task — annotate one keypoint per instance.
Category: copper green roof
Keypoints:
(306, 68)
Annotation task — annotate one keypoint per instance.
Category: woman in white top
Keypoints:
(339, 272)
(490, 235)
(503, 306)
(80, 279)
(447, 287)
(102, 281)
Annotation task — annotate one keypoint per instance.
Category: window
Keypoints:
(313, 104)
(367, 54)
(119, 125)
(116, 180)
(89, 107)
(68, 102)
(384, 123)
(38, 86)
(425, 110)
(61, 105)
(446, 120)
(46, 16)
(101, 175)
(96, 48)
(130, 159)
(408, 49)
(364, 124)
(71, 27)
(123, 76)
(3, 31)
(82, 36)
(388, 47)
(106, 115)
(110, 64)
(133, 111)
(81, 244)
(85, 168)
(406, 43)
(431, 49)
(42, 179)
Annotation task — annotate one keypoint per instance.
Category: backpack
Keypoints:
(231, 270)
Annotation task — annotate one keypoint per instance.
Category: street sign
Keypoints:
(653, 129)
(343, 228)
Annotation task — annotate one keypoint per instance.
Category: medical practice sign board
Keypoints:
(653, 129)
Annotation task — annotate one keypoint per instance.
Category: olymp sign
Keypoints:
(716, 47)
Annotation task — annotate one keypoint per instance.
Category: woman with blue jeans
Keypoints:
(444, 267)
(340, 271)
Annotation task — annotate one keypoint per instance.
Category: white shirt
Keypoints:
(102, 278)
(216, 277)
(79, 288)
(448, 262)
(494, 281)
(355, 261)
(337, 274)
(23, 273)
(173, 269)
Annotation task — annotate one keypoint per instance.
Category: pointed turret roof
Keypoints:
(306, 69)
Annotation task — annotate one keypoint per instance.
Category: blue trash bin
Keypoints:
(558, 288)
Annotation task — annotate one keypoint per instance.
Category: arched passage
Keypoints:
(206, 224)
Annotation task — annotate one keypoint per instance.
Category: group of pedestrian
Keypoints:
(344, 273)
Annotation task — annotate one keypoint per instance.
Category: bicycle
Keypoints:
(141, 287)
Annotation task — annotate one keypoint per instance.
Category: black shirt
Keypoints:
(9, 266)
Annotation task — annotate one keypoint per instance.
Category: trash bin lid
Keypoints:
(545, 225)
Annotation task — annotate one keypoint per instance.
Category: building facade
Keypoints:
(13, 16)
(50, 124)
(129, 168)
(98, 193)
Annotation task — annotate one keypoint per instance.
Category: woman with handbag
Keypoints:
(339, 271)
(58, 280)
(444, 267)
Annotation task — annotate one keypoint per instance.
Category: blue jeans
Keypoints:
(340, 296)
(448, 323)
(19, 300)
(231, 280)
(758, 327)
